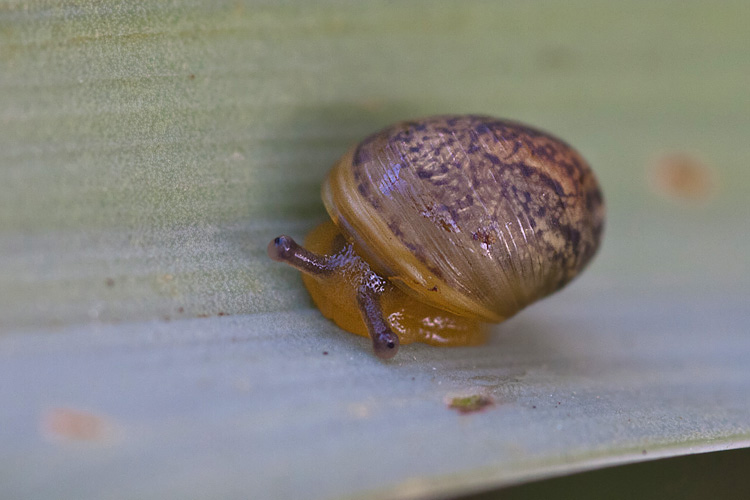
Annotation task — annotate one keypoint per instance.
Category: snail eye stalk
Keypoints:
(384, 341)
(284, 249)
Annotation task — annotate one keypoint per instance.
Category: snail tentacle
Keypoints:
(284, 249)
(384, 341)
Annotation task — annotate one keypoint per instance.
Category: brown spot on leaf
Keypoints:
(76, 425)
(682, 177)
(470, 404)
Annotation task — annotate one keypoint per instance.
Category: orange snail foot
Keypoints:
(335, 293)
(367, 284)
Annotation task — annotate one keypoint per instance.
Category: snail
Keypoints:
(443, 225)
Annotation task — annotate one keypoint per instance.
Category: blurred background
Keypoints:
(149, 151)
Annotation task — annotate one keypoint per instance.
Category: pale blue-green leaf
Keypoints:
(150, 150)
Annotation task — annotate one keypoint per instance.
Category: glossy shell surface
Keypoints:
(473, 214)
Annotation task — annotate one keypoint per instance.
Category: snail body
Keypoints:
(442, 225)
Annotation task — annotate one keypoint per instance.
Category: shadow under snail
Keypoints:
(442, 225)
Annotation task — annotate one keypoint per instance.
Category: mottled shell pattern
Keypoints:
(472, 214)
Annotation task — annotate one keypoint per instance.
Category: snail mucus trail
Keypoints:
(443, 225)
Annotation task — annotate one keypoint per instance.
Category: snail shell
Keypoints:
(494, 214)
(471, 215)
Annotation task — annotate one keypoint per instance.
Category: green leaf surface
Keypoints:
(150, 150)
